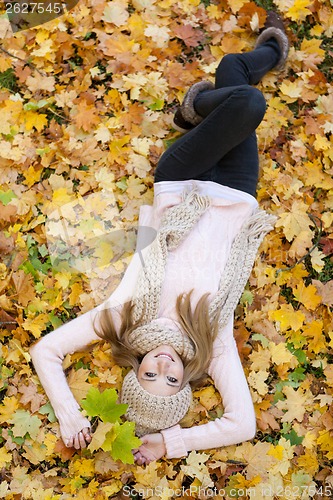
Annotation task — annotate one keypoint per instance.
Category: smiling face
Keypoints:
(161, 371)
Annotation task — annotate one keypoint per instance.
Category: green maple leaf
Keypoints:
(120, 441)
(7, 196)
(24, 423)
(103, 405)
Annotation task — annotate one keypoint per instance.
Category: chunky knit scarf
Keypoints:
(176, 223)
(150, 412)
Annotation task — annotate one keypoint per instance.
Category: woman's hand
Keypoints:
(152, 448)
(79, 440)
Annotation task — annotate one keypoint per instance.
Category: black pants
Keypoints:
(223, 147)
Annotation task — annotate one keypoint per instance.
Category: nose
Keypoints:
(163, 363)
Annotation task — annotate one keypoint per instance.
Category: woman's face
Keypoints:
(161, 371)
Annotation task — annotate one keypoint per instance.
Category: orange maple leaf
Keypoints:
(191, 37)
(86, 116)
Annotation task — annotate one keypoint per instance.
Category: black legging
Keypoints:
(223, 147)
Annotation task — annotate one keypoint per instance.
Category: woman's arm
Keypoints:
(48, 353)
(238, 422)
(47, 356)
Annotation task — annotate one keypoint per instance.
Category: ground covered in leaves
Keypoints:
(86, 106)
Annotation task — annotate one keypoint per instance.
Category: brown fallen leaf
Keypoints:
(325, 290)
(24, 287)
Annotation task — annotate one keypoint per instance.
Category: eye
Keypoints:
(172, 380)
(150, 374)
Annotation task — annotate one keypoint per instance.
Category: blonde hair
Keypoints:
(195, 324)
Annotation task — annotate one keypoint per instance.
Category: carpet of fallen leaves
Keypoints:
(86, 106)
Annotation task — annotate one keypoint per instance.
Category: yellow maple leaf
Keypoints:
(308, 462)
(34, 452)
(9, 115)
(276, 451)
(62, 279)
(38, 82)
(82, 467)
(301, 244)
(236, 5)
(317, 260)
(291, 90)
(307, 295)
(33, 119)
(325, 442)
(329, 374)
(116, 12)
(99, 435)
(135, 187)
(257, 458)
(260, 360)
(76, 290)
(294, 221)
(31, 176)
(208, 397)
(299, 11)
(77, 381)
(314, 175)
(36, 325)
(312, 49)
(104, 253)
(280, 355)
(149, 476)
(232, 44)
(321, 143)
(8, 406)
(315, 332)
(50, 441)
(118, 151)
(287, 317)
(60, 197)
(295, 274)
(5, 63)
(196, 468)
(256, 380)
(295, 404)
(5, 457)
(159, 34)
(283, 464)
(240, 482)
(139, 164)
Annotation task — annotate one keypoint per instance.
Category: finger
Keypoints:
(82, 441)
(76, 442)
(69, 442)
(140, 460)
(86, 435)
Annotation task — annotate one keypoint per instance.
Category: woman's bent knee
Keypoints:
(253, 101)
(228, 62)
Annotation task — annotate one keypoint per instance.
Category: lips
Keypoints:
(164, 355)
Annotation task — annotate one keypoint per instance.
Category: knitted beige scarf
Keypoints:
(176, 223)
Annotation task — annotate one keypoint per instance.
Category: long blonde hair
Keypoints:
(195, 324)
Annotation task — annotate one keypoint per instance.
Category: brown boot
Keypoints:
(274, 28)
(186, 116)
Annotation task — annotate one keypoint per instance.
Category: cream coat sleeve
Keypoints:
(48, 353)
(238, 422)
